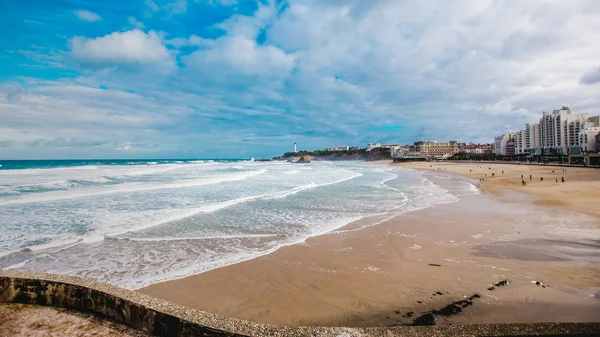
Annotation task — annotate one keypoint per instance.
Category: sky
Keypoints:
(241, 79)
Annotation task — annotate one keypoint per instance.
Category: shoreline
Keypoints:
(579, 193)
(377, 275)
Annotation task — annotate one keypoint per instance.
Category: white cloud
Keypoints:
(126, 147)
(135, 23)
(222, 2)
(192, 41)
(130, 48)
(87, 16)
(240, 55)
(166, 7)
(152, 6)
(591, 77)
(417, 60)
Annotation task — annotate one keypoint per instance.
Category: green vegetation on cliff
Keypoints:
(362, 154)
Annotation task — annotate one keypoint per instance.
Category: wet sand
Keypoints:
(421, 261)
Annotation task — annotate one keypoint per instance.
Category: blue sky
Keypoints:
(240, 79)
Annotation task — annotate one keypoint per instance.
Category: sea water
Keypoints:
(134, 223)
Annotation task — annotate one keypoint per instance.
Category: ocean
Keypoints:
(132, 223)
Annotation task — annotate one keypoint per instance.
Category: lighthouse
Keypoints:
(295, 148)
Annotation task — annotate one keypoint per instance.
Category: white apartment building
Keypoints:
(587, 138)
(372, 146)
(558, 133)
(559, 130)
(532, 137)
(519, 139)
(500, 144)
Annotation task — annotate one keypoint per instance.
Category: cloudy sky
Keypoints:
(240, 79)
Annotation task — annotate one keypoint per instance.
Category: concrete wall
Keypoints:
(101, 303)
(162, 318)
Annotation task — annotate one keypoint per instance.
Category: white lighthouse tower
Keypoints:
(295, 148)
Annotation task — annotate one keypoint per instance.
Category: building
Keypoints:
(342, 148)
(510, 147)
(354, 148)
(588, 140)
(295, 148)
(519, 139)
(397, 150)
(372, 146)
(559, 131)
(330, 149)
(532, 137)
(431, 148)
(500, 144)
(476, 149)
(598, 143)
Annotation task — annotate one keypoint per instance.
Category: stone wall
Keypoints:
(162, 318)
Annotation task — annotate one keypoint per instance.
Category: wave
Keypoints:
(232, 258)
(36, 171)
(58, 241)
(127, 188)
(192, 238)
(179, 214)
(186, 213)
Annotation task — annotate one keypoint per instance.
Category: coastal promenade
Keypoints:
(146, 316)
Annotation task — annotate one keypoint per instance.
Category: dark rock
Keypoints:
(449, 310)
(409, 314)
(537, 283)
(397, 312)
(426, 319)
(304, 160)
(455, 307)
(491, 288)
(435, 265)
(501, 283)
(419, 302)
(439, 292)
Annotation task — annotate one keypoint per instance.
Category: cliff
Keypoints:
(376, 154)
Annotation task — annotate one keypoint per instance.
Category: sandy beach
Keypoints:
(425, 260)
(580, 192)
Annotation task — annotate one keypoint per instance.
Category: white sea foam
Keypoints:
(126, 188)
(192, 238)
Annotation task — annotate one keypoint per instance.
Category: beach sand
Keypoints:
(580, 192)
(388, 273)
